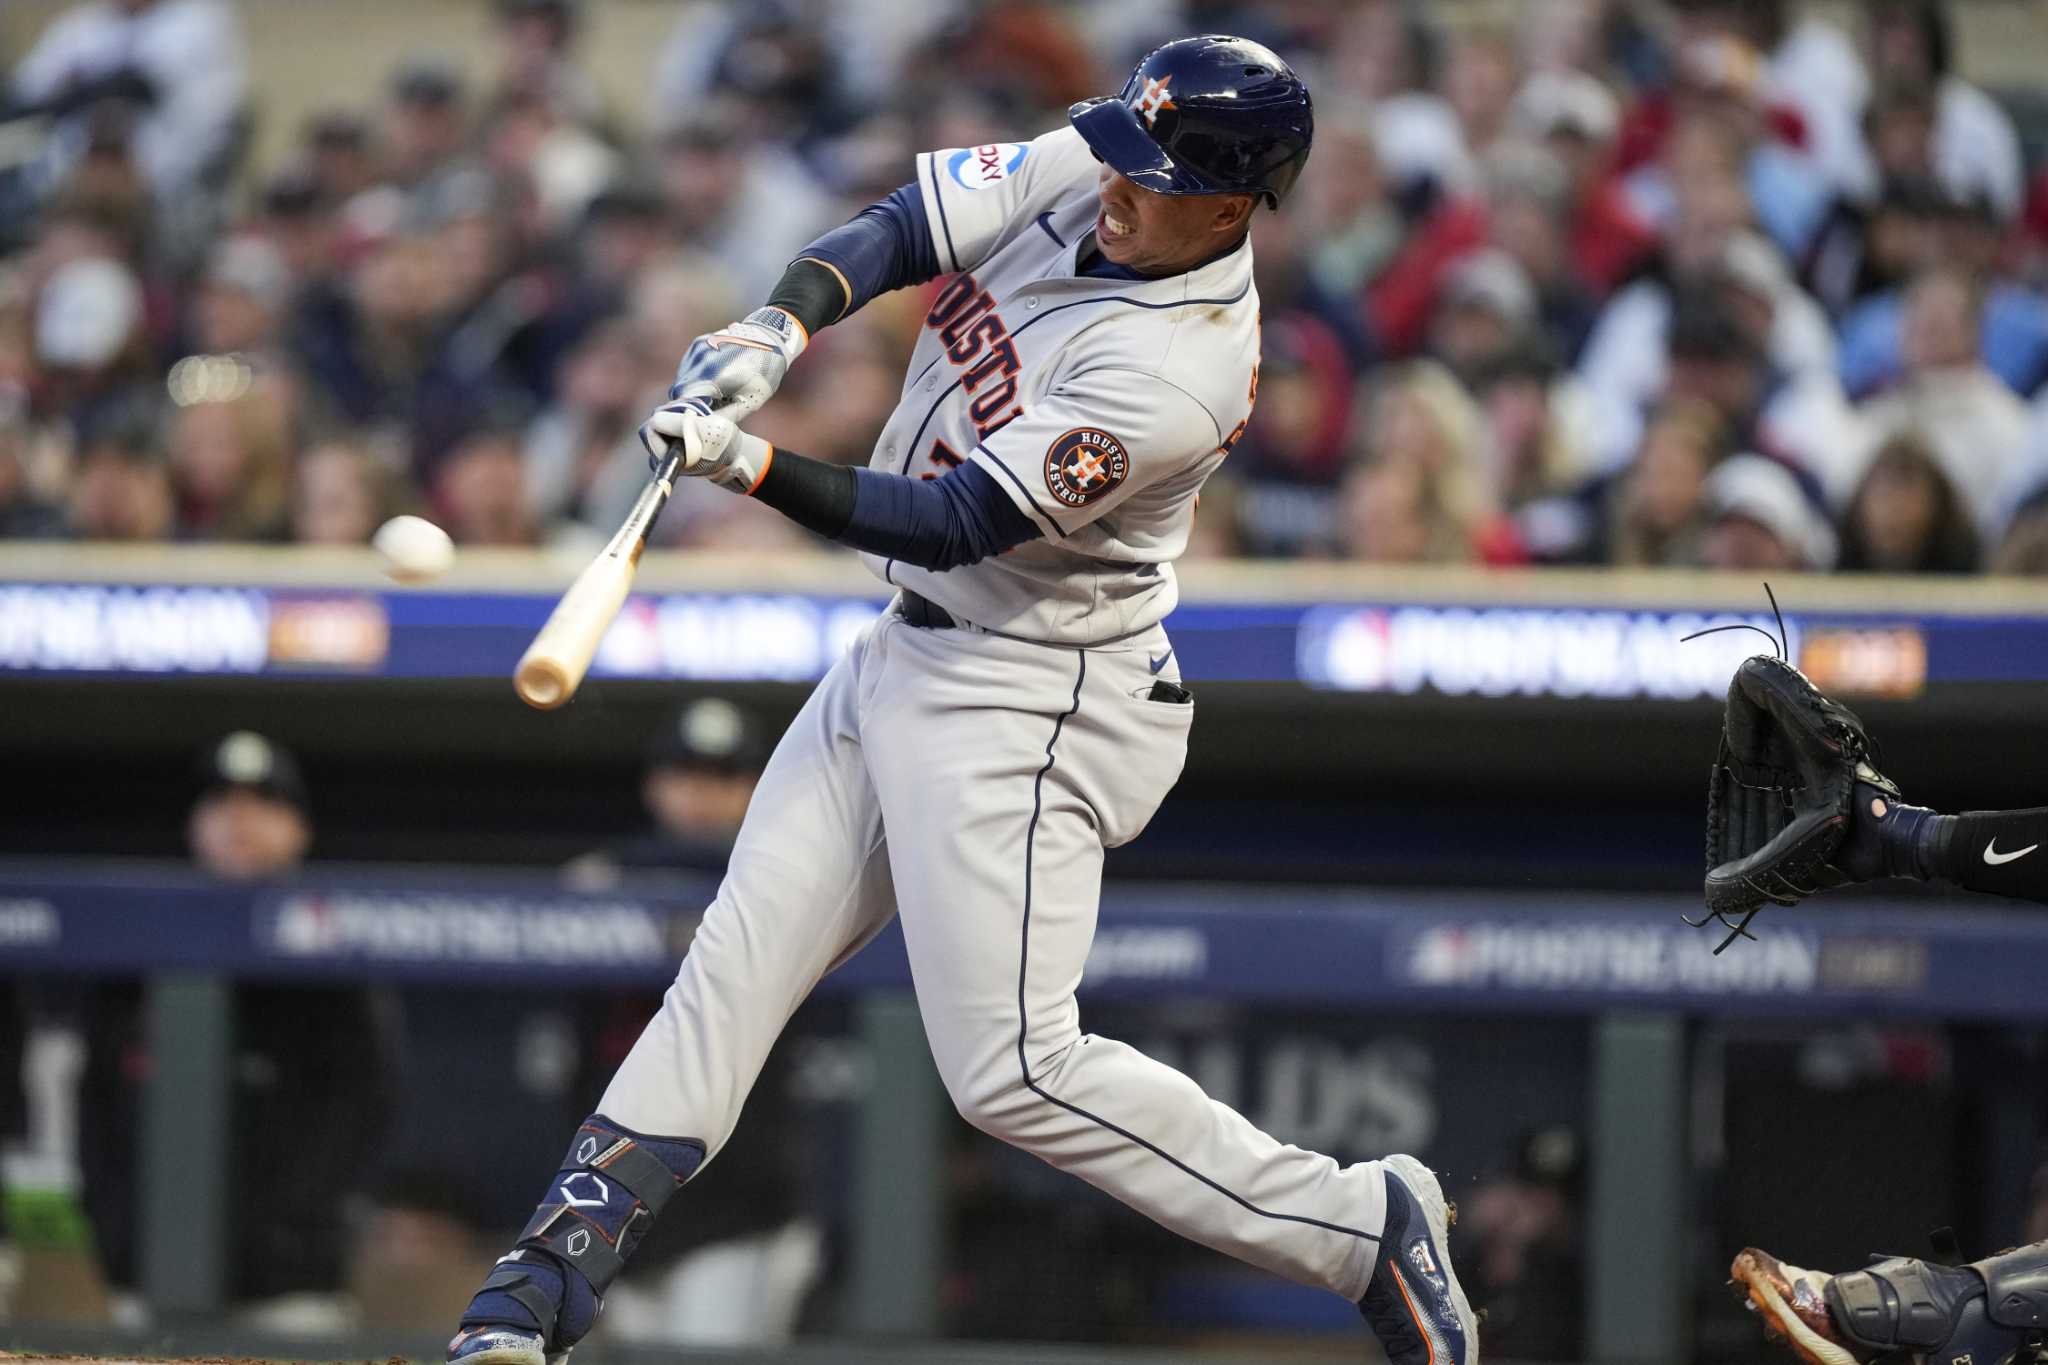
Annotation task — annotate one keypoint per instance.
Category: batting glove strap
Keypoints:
(713, 448)
(736, 369)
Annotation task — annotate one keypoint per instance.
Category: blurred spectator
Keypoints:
(1574, 117)
(1413, 494)
(1485, 306)
(1285, 469)
(89, 337)
(1018, 54)
(743, 199)
(1976, 151)
(1906, 516)
(536, 59)
(172, 68)
(526, 137)
(1481, 72)
(1389, 53)
(121, 487)
(1657, 510)
(1523, 1252)
(1974, 423)
(311, 1061)
(1720, 87)
(242, 300)
(701, 767)
(342, 491)
(480, 491)
(426, 121)
(231, 462)
(2024, 550)
(1816, 76)
(1350, 229)
(1706, 244)
(613, 258)
(1868, 250)
(1759, 518)
(341, 154)
(678, 297)
(294, 215)
(24, 515)
(1530, 219)
(1958, 234)
(250, 822)
(580, 450)
(1713, 358)
(1539, 458)
(841, 404)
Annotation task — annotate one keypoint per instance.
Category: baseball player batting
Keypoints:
(1090, 360)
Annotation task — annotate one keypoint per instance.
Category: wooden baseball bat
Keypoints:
(554, 664)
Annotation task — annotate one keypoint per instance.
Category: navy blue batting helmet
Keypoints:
(1210, 115)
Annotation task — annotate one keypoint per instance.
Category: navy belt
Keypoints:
(923, 613)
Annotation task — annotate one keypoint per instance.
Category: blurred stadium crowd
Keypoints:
(1706, 282)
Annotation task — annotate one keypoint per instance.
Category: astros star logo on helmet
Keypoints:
(1154, 101)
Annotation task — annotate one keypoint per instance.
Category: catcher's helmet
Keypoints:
(1211, 115)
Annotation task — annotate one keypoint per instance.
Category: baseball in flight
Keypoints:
(413, 549)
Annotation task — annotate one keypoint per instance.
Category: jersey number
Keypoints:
(945, 458)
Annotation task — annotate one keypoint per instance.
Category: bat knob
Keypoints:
(541, 684)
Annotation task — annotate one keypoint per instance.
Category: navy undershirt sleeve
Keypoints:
(943, 523)
(886, 246)
(935, 524)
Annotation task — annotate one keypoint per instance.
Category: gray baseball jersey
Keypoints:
(1099, 405)
(967, 780)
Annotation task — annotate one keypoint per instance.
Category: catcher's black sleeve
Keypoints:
(2004, 852)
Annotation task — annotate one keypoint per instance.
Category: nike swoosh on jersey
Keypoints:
(1159, 662)
(1994, 857)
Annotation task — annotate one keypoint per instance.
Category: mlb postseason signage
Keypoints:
(1461, 633)
(1387, 950)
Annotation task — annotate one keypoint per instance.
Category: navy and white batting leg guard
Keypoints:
(543, 1297)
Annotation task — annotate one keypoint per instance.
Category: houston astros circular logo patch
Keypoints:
(1084, 465)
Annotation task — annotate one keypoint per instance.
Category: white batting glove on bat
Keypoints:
(713, 448)
(737, 368)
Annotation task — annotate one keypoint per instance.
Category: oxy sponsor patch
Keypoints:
(1085, 465)
(976, 168)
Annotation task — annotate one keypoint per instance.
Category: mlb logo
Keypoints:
(1424, 1260)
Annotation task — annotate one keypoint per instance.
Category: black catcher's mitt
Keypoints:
(1779, 806)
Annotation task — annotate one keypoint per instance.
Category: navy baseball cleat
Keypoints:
(1991, 1312)
(502, 1346)
(1415, 1304)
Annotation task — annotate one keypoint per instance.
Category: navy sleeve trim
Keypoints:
(931, 167)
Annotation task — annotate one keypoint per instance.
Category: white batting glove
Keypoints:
(713, 448)
(737, 368)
